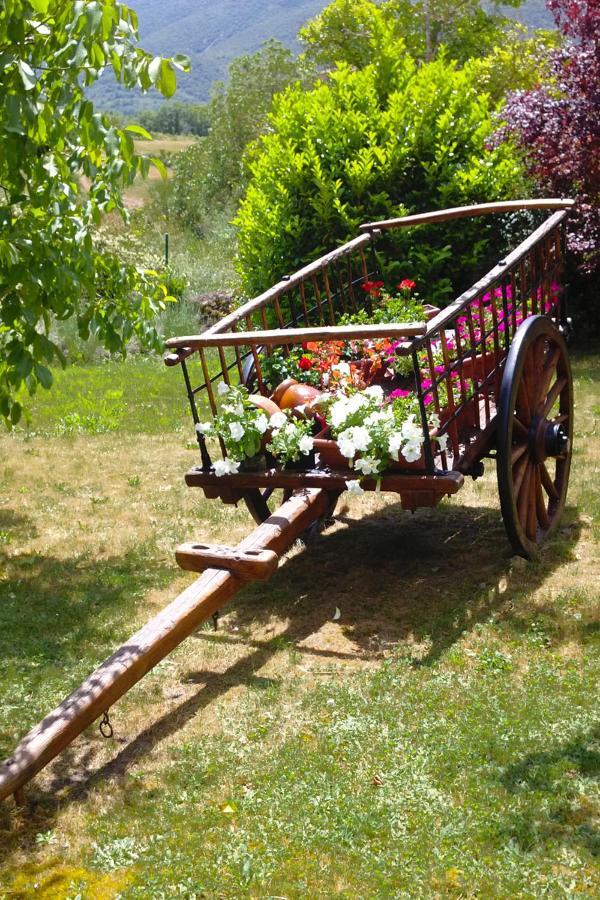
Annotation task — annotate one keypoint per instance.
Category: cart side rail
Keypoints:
(465, 212)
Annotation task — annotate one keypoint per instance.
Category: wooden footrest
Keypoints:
(251, 565)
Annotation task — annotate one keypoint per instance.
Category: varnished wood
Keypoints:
(278, 336)
(447, 483)
(251, 565)
(464, 212)
(208, 593)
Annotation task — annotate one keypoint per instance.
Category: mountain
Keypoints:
(213, 33)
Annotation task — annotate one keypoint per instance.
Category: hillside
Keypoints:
(212, 34)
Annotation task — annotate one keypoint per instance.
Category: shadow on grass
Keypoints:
(571, 771)
(408, 585)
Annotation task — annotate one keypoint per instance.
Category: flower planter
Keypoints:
(330, 457)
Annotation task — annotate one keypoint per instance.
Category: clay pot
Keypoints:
(299, 394)
(281, 389)
(264, 403)
(269, 408)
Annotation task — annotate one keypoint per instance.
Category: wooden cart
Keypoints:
(502, 342)
(515, 403)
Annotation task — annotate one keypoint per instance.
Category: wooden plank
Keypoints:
(276, 336)
(463, 212)
(150, 644)
(447, 483)
(251, 565)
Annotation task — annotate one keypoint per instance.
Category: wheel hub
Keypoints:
(548, 439)
(556, 440)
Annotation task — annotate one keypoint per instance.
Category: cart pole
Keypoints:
(153, 642)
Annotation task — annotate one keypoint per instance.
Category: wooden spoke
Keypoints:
(520, 428)
(518, 452)
(523, 407)
(540, 504)
(547, 373)
(547, 482)
(556, 389)
(559, 420)
(518, 474)
(531, 527)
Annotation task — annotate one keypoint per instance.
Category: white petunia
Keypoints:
(411, 451)
(223, 388)
(278, 420)
(442, 440)
(382, 415)
(346, 445)
(262, 423)
(226, 466)
(339, 412)
(305, 444)
(341, 369)
(375, 391)
(368, 465)
(395, 441)
(237, 430)
(361, 437)
(204, 427)
(353, 487)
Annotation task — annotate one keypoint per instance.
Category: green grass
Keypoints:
(441, 739)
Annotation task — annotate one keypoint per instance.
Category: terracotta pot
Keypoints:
(299, 394)
(330, 457)
(264, 403)
(281, 389)
(269, 408)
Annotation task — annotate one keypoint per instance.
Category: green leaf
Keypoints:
(43, 375)
(137, 129)
(15, 413)
(166, 81)
(27, 75)
(40, 6)
(159, 164)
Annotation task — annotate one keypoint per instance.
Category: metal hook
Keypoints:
(106, 729)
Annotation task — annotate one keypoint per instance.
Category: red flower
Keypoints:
(372, 287)
(305, 363)
(407, 285)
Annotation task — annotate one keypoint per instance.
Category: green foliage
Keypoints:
(210, 172)
(352, 30)
(393, 137)
(358, 32)
(50, 266)
(177, 118)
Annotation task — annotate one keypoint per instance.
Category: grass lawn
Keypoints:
(440, 738)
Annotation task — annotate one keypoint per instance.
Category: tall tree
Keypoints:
(557, 124)
(50, 267)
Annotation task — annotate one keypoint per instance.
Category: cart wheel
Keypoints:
(262, 504)
(534, 434)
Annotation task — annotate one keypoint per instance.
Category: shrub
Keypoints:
(393, 137)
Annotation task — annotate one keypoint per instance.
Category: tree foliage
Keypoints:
(210, 173)
(557, 124)
(50, 266)
(350, 30)
(371, 143)
(173, 117)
